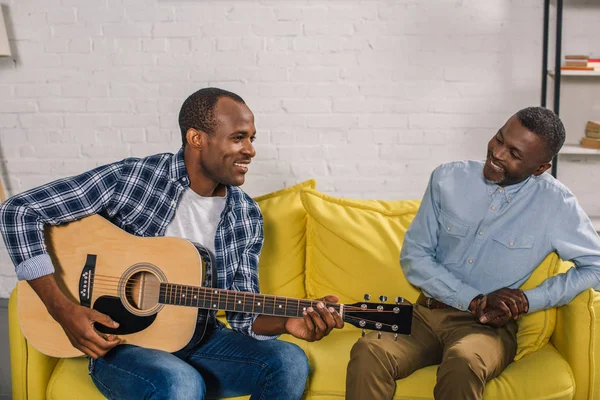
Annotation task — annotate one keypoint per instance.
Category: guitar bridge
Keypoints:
(86, 280)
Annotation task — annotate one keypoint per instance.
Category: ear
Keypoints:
(194, 138)
(542, 168)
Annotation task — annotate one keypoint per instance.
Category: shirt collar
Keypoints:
(509, 191)
(177, 170)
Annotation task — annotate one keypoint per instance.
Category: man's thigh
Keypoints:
(483, 347)
(131, 372)
(233, 364)
(403, 356)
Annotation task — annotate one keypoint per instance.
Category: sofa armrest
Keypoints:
(30, 369)
(577, 338)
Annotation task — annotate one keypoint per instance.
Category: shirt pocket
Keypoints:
(452, 240)
(516, 252)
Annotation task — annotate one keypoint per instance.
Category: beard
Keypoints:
(493, 172)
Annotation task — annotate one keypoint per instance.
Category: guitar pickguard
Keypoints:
(128, 323)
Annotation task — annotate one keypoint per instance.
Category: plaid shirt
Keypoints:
(140, 196)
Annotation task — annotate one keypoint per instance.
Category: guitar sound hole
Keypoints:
(142, 290)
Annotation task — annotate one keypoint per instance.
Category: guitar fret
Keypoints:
(269, 309)
(280, 306)
(298, 312)
(235, 301)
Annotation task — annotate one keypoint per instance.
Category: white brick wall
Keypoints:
(366, 96)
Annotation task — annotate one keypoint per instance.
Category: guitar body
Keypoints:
(122, 281)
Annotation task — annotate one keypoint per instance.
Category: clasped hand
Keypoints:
(499, 307)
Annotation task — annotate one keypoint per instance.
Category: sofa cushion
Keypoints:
(281, 265)
(353, 247)
(536, 329)
(523, 379)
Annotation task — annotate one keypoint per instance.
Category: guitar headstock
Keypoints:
(383, 317)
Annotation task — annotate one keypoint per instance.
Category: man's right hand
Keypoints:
(78, 324)
(76, 321)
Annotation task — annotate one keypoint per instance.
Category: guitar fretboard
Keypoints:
(229, 300)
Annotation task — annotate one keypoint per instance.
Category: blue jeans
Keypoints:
(224, 364)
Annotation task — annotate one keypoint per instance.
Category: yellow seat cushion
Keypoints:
(536, 329)
(71, 380)
(523, 379)
(281, 265)
(353, 247)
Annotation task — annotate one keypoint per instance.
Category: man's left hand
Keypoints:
(317, 322)
(512, 302)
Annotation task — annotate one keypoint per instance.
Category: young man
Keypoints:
(193, 194)
(481, 230)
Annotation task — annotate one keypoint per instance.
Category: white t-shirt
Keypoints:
(197, 218)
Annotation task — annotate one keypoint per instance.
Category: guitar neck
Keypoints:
(229, 300)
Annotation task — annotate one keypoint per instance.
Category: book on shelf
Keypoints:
(564, 68)
(578, 62)
(592, 129)
(590, 143)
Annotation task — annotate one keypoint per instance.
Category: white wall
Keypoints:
(365, 96)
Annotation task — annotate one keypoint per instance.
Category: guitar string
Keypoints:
(347, 318)
(173, 293)
(227, 297)
(114, 284)
(285, 309)
(111, 280)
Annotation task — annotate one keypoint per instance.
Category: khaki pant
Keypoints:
(469, 354)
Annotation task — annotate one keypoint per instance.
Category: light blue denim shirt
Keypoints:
(471, 236)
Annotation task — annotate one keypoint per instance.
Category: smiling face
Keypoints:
(224, 155)
(514, 154)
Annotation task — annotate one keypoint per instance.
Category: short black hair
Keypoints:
(198, 110)
(546, 125)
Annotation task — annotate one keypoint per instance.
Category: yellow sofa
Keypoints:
(317, 245)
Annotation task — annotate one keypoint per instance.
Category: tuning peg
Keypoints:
(367, 297)
(383, 298)
(363, 333)
(378, 335)
(399, 300)
(395, 337)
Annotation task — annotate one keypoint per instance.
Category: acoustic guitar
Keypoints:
(152, 288)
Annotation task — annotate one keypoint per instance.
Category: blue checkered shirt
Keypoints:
(140, 196)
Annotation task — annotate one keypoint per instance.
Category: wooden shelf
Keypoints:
(569, 149)
(576, 73)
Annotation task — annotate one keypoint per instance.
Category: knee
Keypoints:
(292, 360)
(366, 351)
(183, 383)
(288, 366)
(463, 363)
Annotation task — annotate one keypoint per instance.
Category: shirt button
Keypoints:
(173, 202)
(480, 233)
(493, 207)
(511, 244)
(157, 234)
(448, 227)
(501, 190)
(471, 261)
(510, 197)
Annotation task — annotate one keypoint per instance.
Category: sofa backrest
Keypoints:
(316, 245)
